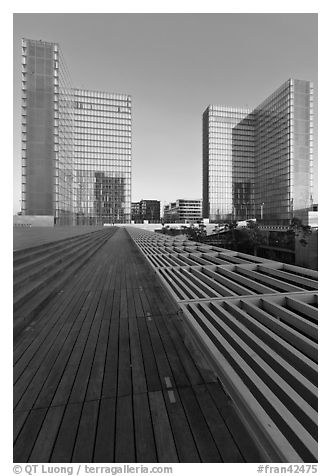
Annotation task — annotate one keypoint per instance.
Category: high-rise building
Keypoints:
(219, 160)
(47, 132)
(102, 157)
(76, 144)
(258, 164)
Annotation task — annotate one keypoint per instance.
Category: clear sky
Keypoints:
(174, 66)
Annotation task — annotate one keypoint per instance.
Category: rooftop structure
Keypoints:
(104, 369)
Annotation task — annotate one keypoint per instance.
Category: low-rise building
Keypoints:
(145, 210)
(183, 211)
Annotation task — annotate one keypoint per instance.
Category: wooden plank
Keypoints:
(43, 446)
(239, 433)
(138, 371)
(34, 354)
(131, 310)
(18, 422)
(149, 306)
(51, 383)
(167, 304)
(144, 436)
(184, 441)
(107, 314)
(222, 437)
(25, 391)
(123, 303)
(203, 438)
(65, 441)
(139, 310)
(83, 450)
(96, 378)
(124, 440)
(115, 312)
(177, 369)
(192, 358)
(25, 441)
(109, 386)
(105, 433)
(159, 353)
(165, 445)
(124, 364)
(41, 359)
(83, 374)
(151, 372)
(53, 314)
(68, 377)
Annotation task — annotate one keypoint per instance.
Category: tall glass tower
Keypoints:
(259, 163)
(102, 157)
(76, 144)
(219, 161)
(47, 132)
(284, 152)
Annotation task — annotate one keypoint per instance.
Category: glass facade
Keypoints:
(76, 144)
(284, 152)
(259, 163)
(222, 174)
(47, 132)
(102, 157)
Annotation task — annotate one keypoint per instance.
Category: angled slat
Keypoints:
(310, 283)
(284, 349)
(303, 308)
(306, 346)
(275, 283)
(284, 367)
(291, 318)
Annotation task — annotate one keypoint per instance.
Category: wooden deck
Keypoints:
(107, 373)
(25, 237)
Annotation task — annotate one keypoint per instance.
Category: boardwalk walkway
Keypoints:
(107, 373)
(27, 237)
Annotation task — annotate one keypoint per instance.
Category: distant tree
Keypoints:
(255, 237)
(300, 230)
(196, 233)
(246, 239)
(230, 238)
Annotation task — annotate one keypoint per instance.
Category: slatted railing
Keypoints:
(256, 319)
